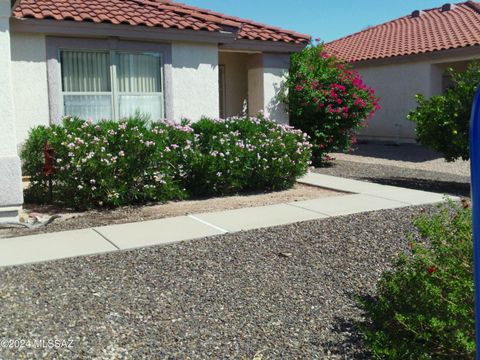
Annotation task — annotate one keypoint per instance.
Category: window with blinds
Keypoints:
(111, 85)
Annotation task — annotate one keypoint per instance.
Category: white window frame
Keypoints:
(115, 82)
(114, 92)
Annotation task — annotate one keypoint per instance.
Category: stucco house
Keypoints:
(107, 59)
(407, 56)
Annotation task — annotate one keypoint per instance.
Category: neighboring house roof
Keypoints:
(448, 27)
(152, 13)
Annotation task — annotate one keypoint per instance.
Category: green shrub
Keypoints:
(246, 154)
(109, 163)
(136, 161)
(327, 100)
(424, 307)
(33, 160)
(443, 121)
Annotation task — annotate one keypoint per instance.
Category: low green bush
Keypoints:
(424, 306)
(137, 161)
(246, 154)
(109, 163)
(443, 121)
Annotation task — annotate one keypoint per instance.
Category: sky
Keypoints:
(324, 19)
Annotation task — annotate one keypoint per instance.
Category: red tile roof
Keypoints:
(435, 29)
(152, 13)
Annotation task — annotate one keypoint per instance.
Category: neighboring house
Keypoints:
(106, 59)
(407, 56)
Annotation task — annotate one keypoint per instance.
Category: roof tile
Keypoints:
(162, 13)
(433, 30)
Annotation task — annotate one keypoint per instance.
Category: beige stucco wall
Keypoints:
(398, 80)
(276, 67)
(266, 75)
(11, 195)
(397, 85)
(236, 81)
(30, 89)
(255, 84)
(195, 81)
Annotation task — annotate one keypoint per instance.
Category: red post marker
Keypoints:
(48, 167)
(48, 155)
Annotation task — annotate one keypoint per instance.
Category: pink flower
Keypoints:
(324, 55)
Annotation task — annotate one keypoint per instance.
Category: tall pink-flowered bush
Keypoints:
(108, 164)
(328, 100)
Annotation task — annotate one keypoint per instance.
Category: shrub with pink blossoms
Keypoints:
(328, 100)
(107, 164)
(246, 154)
(136, 161)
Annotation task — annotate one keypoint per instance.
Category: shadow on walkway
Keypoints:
(403, 152)
(438, 186)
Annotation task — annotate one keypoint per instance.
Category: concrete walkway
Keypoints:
(361, 197)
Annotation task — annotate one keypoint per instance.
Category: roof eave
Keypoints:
(77, 28)
(437, 56)
(228, 37)
(264, 46)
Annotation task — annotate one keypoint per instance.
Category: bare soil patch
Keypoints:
(70, 220)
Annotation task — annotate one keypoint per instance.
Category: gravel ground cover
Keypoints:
(418, 179)
(279, 293)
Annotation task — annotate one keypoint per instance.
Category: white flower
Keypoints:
(159, 178)
(121, 153)
(80, 187)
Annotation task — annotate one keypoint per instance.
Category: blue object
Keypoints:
(475, 181)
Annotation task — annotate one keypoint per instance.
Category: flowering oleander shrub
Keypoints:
(247, 154)
(136, 161)
(424, 307)
(443, 121)
(327, 100)
(109, 163)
